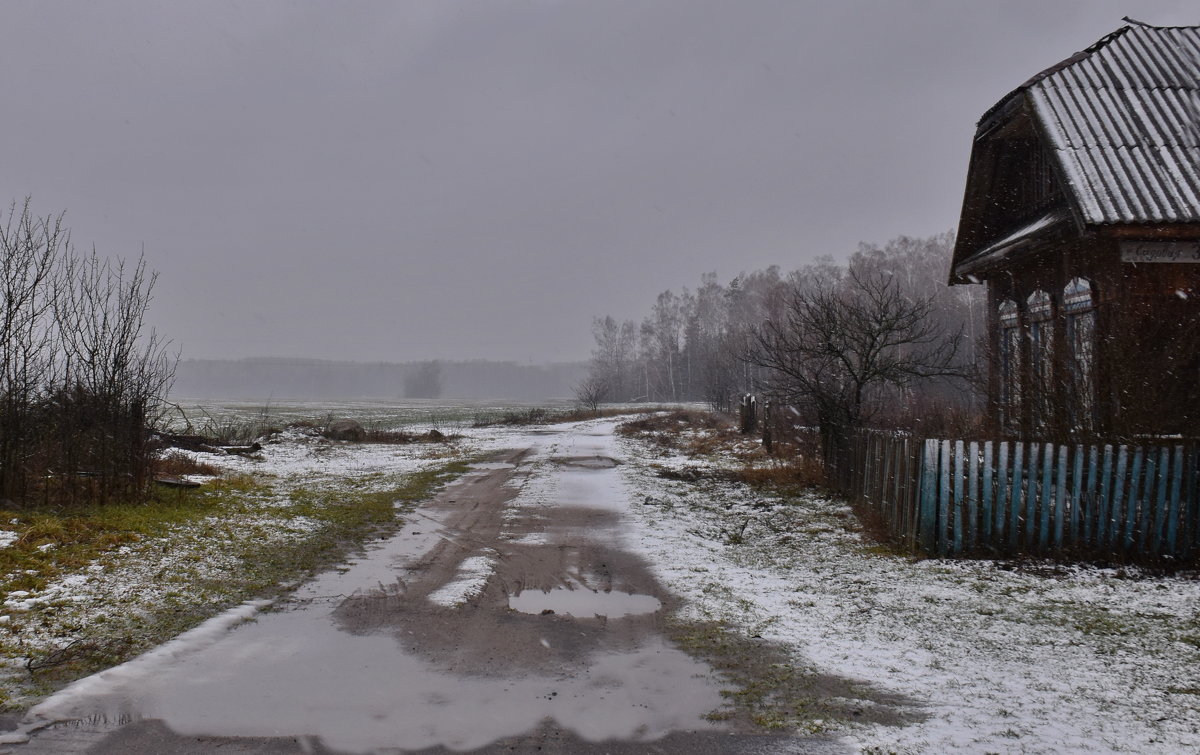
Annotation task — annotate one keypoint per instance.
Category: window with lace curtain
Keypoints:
(1079, 308)
(1010, 365)
(1040, 308)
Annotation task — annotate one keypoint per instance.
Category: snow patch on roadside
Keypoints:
(473, 574)
(1000, 660)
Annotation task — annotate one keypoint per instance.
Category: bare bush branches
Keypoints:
(81, 377)
(845, 339)
(592, 391)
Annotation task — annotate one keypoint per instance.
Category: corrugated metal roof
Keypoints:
(1123, 118)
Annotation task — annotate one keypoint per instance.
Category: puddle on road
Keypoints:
(584, 603)
(488, 466)
(296, 674)
(587, 462)
(302, 672)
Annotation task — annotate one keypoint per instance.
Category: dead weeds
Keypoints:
(176, 464)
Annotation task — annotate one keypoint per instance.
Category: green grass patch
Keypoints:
(770, 690)
(232, 523)
(55, 541)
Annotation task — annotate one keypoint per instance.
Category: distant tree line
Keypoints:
(275, 378)
(843, 344)
(81, 376)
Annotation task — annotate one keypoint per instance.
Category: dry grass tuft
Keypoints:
(674, 422)
(800, 471)
(175, 464)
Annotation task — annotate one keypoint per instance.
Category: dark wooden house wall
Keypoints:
(1146, 368)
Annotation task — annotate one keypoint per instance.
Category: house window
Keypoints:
(1041, 357)
(1079, 306)
(1010, 366)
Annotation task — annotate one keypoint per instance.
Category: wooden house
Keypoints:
(1082, 215)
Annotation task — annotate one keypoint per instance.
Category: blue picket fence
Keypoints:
(952, 497)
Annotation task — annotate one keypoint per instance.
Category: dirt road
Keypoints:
(508, 615)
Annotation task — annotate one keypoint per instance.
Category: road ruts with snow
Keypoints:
(510, 614)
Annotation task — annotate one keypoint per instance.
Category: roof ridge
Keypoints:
(1071, 60)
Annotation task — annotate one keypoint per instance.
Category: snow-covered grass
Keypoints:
(991, 656)
(88, 587)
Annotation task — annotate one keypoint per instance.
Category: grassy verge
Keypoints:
(773, 691)
(89, 587)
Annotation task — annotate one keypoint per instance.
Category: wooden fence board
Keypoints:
(1132, 499)
(943, 495)
(985, 503)
(1173, 508)
(953, 497)
(1078, 517)
(1029, 512)
(972, 483)
(957, 502)
(1157, 514)
(1060, 498)
(1016, 497)
(929, 498)
(1003, 492)
(1046, 497)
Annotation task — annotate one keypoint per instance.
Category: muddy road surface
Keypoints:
(508, 615)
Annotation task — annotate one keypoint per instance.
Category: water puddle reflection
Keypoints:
(583, 603)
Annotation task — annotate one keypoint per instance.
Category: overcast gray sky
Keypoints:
(411, 180)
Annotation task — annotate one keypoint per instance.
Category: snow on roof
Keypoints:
(1123, 119)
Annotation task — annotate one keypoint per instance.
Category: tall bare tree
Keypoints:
(843, 341)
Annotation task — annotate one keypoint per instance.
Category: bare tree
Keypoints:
(592, 391)
(843, 341)
(31, 251)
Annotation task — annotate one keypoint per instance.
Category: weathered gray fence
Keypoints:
(1134, 502)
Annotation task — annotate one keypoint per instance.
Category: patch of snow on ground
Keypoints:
(7, 538)
(998, 660)
(473, 574)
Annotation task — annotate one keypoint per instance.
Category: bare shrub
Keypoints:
(592, 391)
(81, 377)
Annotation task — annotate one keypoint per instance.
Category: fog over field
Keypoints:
(380, 181)
(274, 379)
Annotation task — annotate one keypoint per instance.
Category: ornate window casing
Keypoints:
(1010, 366)
(1079, 308)
(1040, 309)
